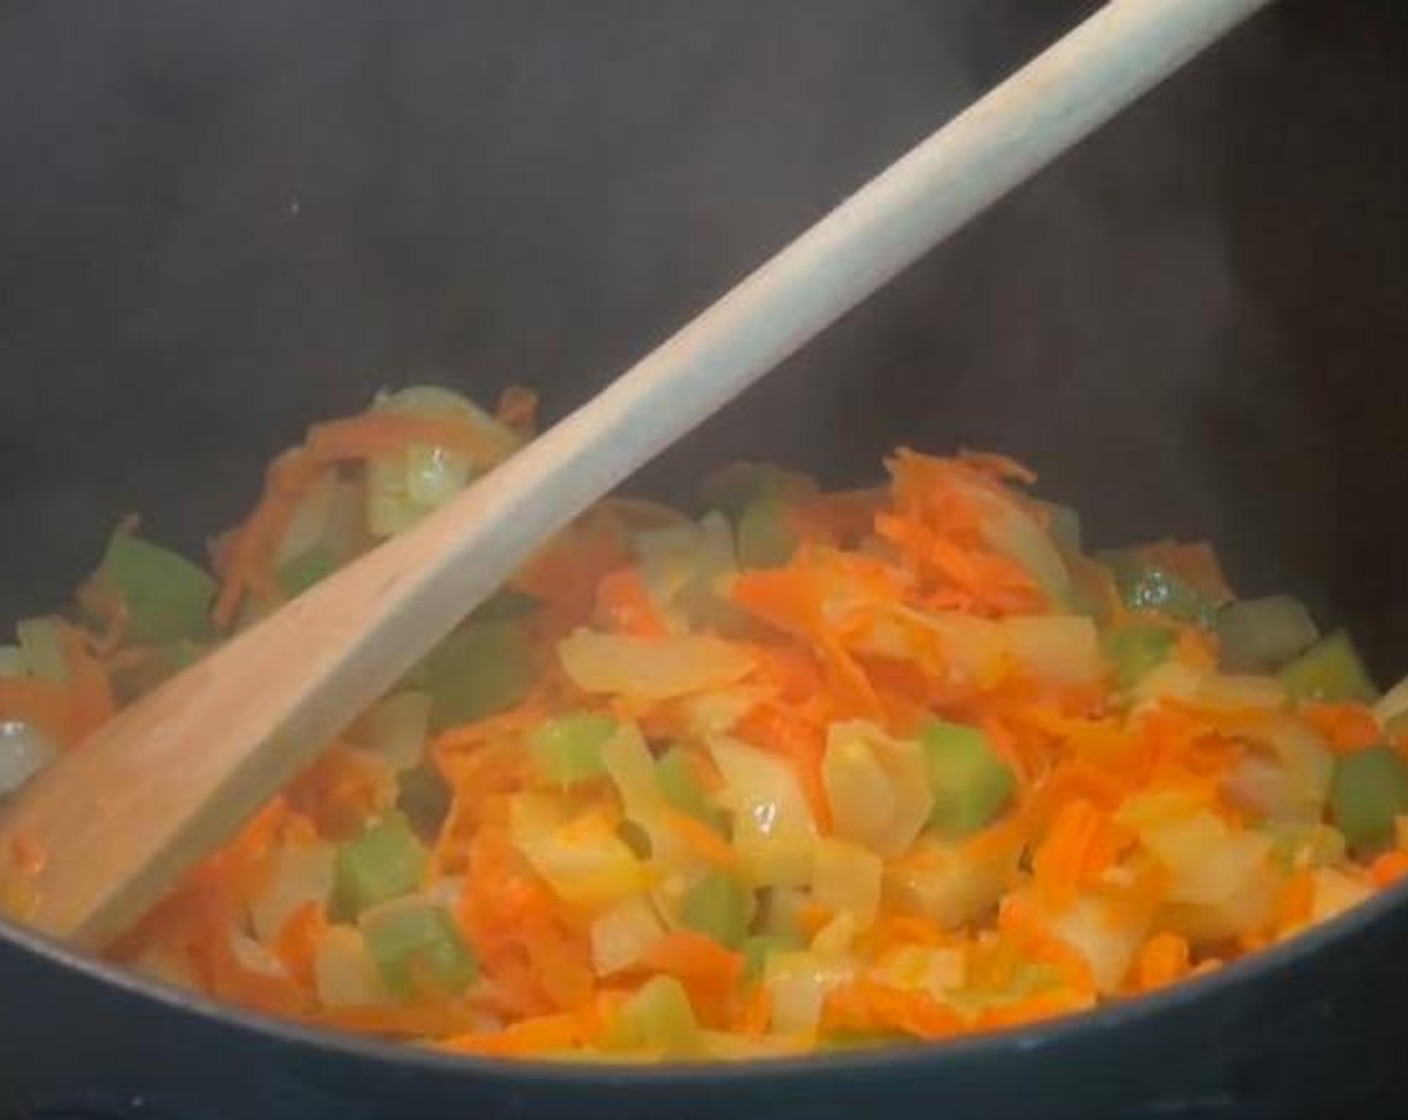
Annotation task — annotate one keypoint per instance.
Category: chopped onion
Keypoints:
(345, 973)
(877, 786)
(973, 649)
(797, 984)
(255, 957)
(949, 883)
(651, 668)
(23, 753)
(1207, 861)
(302, 873)
(1391, 705)
(581, 857)
(1061, 649)
(846, 879)
(402, 488)
(330, 514)
(395, 729)
(1015, 532)
(936, 970)
(1220, 692)
(622, 935)
(1106, 939)
(773, 829)
(1336, 892)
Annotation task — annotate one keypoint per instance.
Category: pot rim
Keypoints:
(567, 1075)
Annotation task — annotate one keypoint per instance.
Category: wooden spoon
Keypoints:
(116, 821)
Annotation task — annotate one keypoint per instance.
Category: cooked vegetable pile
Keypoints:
(795, 771)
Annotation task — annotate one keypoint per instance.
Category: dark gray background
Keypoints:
(219, 221)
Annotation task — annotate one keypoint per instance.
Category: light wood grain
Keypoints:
(125, 814)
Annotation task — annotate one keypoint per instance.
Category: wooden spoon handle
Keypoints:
(122, 816)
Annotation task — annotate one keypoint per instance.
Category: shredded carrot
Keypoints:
(1097, 805)
(1162, 960)
(703, 840)
(1389, 868)
(518, 409)
(1346, 727)
(866, 1007)
(296, 944)
(625, 605)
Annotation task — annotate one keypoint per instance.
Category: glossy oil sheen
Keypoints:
(219, 221)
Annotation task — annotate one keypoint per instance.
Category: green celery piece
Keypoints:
(1144, 586)
(971, 783)
(159, 663)
(718, 906)
(568, 749)
(656, 1017)
(423, 797)
(681, 788)
(43, 652)
(1064, 526)
(758, 948)
(765, 539)
(1368, 789)
(385, 862)
(733, 487)
(504, 604)
(166, 596)
(1255, 635)
(416, 943)
(297, 575)
(1329, 671)
(1136, 649)
(480, 669)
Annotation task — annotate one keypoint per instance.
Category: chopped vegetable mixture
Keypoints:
(793, 771)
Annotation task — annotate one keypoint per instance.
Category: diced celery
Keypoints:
(157, 664)
(568, 749)
(758, 948)
(385, 862)
(39, 639)
(481, 668)
(657, 1017)
(1330, 671)
(394, 728)
(13, 662)
(1146, 587)
(718, 906)
(1369, 788)
(1064, 526)
(504, 604)
(165, 595)
(765, 538)
(1260, 634)
(971, 783)
(295, 576)
(1135, 649)
(423, 796)
(417, 945)
(680, 787)
(732, 488)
